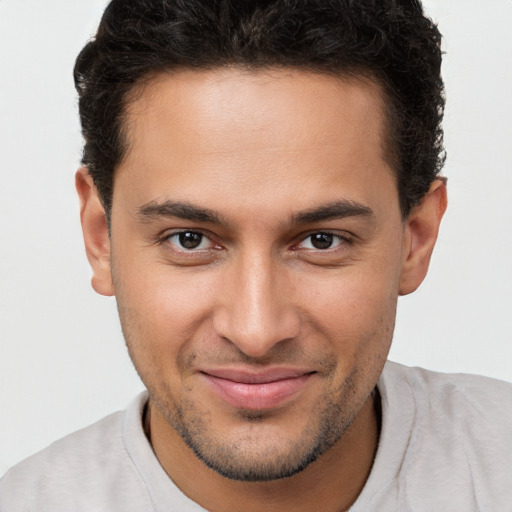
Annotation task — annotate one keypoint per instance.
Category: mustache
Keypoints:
(282, 354)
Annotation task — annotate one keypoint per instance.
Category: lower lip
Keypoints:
(266, 395)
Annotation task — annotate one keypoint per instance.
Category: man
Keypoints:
(260, 183)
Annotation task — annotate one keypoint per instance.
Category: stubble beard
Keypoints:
(244, 461)
(241, 459)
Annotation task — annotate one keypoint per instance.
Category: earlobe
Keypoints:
(421, 230)
(95, 232)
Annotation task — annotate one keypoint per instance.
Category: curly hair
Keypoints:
(389, 41)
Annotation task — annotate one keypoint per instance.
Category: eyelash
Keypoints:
(341, 239)
(169, 236)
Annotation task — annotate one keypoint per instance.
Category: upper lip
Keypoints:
(262, 376)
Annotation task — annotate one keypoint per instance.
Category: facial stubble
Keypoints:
(237, 461)
(242, 458)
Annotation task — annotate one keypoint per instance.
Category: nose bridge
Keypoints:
(258, 311)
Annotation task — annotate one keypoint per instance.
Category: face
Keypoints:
(257, 252)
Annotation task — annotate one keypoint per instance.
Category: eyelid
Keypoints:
(168, 235)
(343, 237)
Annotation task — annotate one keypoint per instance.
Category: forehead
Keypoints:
(253, 133)
(244, 102)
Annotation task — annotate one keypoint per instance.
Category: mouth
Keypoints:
(267, 389)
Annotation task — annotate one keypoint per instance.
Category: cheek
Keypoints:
(358, 324)
(160, 317)
(160, 307)
(356, 308)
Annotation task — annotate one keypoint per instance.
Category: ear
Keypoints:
(95, 231)
(421, 229)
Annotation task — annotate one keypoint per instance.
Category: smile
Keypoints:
(262, 390)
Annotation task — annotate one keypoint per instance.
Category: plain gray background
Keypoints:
(63, 363)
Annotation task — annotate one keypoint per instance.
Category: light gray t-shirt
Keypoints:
(445, 445)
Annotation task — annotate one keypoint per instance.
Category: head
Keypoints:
(259, 187)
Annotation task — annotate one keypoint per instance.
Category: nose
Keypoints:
(257, 310)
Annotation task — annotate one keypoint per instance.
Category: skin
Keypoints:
(255, 175)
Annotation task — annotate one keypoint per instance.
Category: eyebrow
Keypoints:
(180, 210)
(187, 211)
(335, 210)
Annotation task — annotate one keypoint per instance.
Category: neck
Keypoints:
(335, 479)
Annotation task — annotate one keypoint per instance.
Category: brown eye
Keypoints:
(322, 240)
(189, 240)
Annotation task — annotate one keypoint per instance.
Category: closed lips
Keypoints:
(262, 390)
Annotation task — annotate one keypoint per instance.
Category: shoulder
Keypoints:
(446, 432)
(87, 463)
(457, 395)
(470, 411)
